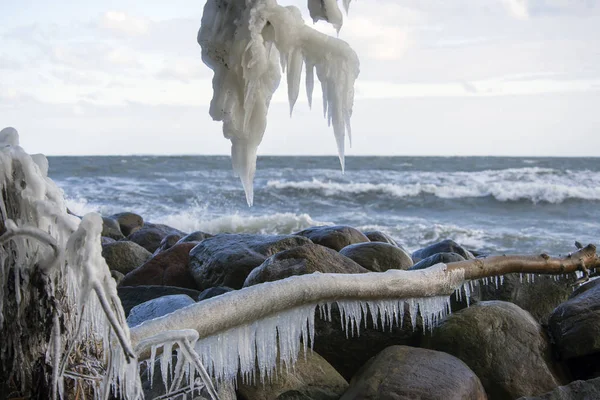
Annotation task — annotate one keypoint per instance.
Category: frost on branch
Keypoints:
(58, 303)
(245, 42)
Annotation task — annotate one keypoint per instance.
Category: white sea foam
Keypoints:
(276, 223)
(533, 184)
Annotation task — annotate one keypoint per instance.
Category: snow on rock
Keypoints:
(246, 43)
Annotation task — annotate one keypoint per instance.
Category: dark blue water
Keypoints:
(492, 204)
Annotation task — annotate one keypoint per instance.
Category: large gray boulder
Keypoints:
(149, 236)
(124, 256)
(503, 344)
(157, 308)
(310, 378)
(445, 246)
(128, 222)
(334, 237)
(131, 296)
(382, 237)
(227, 259)
(575, 328)
(577, 390)
(402, 372)
(438, 258)
(377, 256)
(302, 260)
(538, 295)
(111, 229)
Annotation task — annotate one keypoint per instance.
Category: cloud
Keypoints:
(518, 8)
(183, 71)
(122, 23)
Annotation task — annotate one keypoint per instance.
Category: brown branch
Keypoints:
(582, 260)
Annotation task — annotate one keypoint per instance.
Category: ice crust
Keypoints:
(277, 340)
(246, 43)
(40, 234)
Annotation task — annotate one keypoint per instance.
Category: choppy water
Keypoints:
(490, 204)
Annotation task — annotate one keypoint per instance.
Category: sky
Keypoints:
(460, 77)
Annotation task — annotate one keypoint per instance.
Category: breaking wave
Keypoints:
(537, 185)
(277, 223)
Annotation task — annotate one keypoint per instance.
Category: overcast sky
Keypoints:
(459, 77)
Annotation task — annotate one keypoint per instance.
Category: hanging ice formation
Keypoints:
(52, 275)
(245, 42)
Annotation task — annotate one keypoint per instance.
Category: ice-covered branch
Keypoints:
(285, 309)
(245, 43)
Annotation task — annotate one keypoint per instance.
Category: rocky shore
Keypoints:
(519, 336)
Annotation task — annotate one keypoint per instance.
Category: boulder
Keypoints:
(302, 260)
(169, 268)
(378, 236)
(377, 256)
(150, 235)
(111, 229)
(503, 344)
(128, 222)
(402, 372)
(124, 256)
(197, 236)
(131, 296)
(213, 292)
(575, 328)
(167, 242)
(157, 308)
(538, 295)
(311, 378)
(227, 259)
(106, 240)
(445, 246)
(444, 258)
(577, 390)
(334, 237)
(117, 276)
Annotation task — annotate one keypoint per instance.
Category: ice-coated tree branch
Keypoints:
(244, 306)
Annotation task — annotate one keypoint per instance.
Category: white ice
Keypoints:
(245, 43)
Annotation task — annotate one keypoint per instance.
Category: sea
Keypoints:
(493, 205)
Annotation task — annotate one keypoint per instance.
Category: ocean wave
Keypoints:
(276, 223)
(537, 185)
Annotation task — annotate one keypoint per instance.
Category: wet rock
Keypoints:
(402, 372)
(106, 240)
(445, 246)
(157, 308)
(503, 345)
(538, 295)
(444, 258)
(377, 256)
(577, 390)
(302, 260)
(227, 259)
(378, 236)
(575, 328)
(334, 237)
(167, 242)
(117, 276)
(311, 378)
(124, 256)
(197, 236)
(111, 229)
(131, 296)
(169, 268)
(349, 351)
(128, 222)
(213, 292)
(150, 235)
